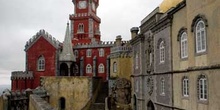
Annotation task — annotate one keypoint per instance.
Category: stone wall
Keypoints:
(74, 92)
(37, 103)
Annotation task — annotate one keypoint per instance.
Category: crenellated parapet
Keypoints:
(22, 75)
(94, 45)
(46, 35)
(73, 16)
(121, 49)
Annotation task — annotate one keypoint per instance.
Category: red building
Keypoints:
(81, 54)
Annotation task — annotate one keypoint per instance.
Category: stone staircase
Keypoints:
(100, 100)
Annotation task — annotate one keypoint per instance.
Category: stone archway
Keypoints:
(63, 69)
(74, 70)
(150, 105)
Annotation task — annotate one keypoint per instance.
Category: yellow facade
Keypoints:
(183, 18)
(75, 90)
(124, 67)
(167, 4)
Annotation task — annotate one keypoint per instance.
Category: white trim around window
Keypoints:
(88, 68)
(101, 68)
(184, 45)
(162, 52)
(41, 63)
(200, 37)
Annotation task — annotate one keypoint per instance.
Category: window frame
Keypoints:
(80, 28)
(101, 68)
(185, 87)
(88, 68)
(200, 33)
(162, 52)
(203, 88)
(162, 86)
(114, 67)
(41, 63)
(101, 52)
(88, 53)
(184, 45)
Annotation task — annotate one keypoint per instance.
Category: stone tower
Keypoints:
(84, 22)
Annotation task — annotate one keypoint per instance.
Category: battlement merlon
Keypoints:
(95, 45)
(121, 49)
(22, 75)
(46, 35)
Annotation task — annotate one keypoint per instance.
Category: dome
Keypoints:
(167, 4)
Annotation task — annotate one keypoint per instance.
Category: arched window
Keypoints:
(41, 63)
(185, 86)
(184, 45)
(62, 103)
(114, 67)
(202, 87)
(88, 68)
(81, 28)
(162, 86)
(89, 53)
(162, 52)
(101, 52)
(101, 68)
(200, 37)
(76, 53)
(136, 61)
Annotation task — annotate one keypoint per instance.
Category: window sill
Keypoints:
(162, 94)
(185, 97)
(203, 101)
(201, 53)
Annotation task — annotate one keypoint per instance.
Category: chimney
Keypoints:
(134, 32)
(118, 40)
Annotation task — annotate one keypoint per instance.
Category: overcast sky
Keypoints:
(21, 19)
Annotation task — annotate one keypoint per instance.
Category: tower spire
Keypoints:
(67, 53)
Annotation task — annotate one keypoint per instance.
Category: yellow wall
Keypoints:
(184, 18)
(192, 103)
(181, 15)
(211, 10)
(75, 90)
(124, 68)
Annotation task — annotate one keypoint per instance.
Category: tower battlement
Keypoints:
(97, 44)
(46, 35)
(22, 75)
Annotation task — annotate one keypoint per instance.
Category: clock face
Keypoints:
(82, 4)
(93, 6)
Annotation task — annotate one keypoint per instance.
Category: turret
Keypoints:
(134, 32)
(118, 40)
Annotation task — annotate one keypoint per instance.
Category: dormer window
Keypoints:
(80, 28)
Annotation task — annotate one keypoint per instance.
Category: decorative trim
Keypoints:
(181, 31)
(197, 19)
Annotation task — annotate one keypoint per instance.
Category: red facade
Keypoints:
(41, 48)
(85, 32)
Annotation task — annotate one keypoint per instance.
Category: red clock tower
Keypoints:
(84, 22)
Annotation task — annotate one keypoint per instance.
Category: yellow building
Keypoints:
(195, 49)
(120, 59)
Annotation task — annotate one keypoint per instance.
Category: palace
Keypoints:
(171, 63)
